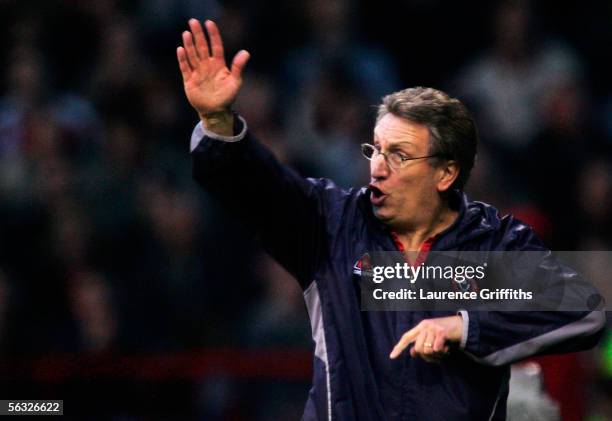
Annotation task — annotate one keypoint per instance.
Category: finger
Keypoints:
(216, 43)
(183, 63)
(200, 39)
(438, 343)
(417, 349)
(428, 343)
(404, 341)
(192, 55)
(440, 355)
(240, 60)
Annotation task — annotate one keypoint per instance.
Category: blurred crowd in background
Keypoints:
(108, 245)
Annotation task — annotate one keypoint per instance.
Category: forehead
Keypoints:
(392, 130)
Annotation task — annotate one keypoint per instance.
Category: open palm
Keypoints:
(209, 85)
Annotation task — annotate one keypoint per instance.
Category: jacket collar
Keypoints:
(474, 219)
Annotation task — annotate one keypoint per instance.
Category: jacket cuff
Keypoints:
(466, 328)
(470, 337)
(200, 132)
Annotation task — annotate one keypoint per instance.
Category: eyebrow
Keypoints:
(402, 142)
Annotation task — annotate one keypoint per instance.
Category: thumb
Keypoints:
(240, 60)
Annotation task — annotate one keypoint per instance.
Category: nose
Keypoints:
(379, 168)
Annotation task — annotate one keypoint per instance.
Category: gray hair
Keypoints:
(453, 132)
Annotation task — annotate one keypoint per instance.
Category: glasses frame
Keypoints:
(376, 152)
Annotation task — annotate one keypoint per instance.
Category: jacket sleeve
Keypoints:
(284, 209)
(503, 337)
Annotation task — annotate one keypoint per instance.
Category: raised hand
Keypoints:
(209, 85)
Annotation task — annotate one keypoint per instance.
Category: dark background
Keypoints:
(127, 292)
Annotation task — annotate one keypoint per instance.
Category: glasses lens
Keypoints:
(367, 150)
(394, 160)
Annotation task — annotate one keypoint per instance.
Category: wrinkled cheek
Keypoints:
(408, 201)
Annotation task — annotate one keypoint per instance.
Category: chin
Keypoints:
(381, 214)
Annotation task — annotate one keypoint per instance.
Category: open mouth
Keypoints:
(377, 196)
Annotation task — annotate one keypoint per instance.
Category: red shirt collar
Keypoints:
(423, 250)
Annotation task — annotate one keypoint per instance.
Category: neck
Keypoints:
(440, 218)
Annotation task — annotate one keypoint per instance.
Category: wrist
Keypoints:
(219, 122)
(459, 328)
(455, 329)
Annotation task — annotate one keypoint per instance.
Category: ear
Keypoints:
(447, 174)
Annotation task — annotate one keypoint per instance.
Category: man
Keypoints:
(423, 149)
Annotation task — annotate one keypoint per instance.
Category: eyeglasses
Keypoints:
(395, 160)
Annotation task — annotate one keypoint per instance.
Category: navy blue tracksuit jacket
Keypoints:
(318, 232)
